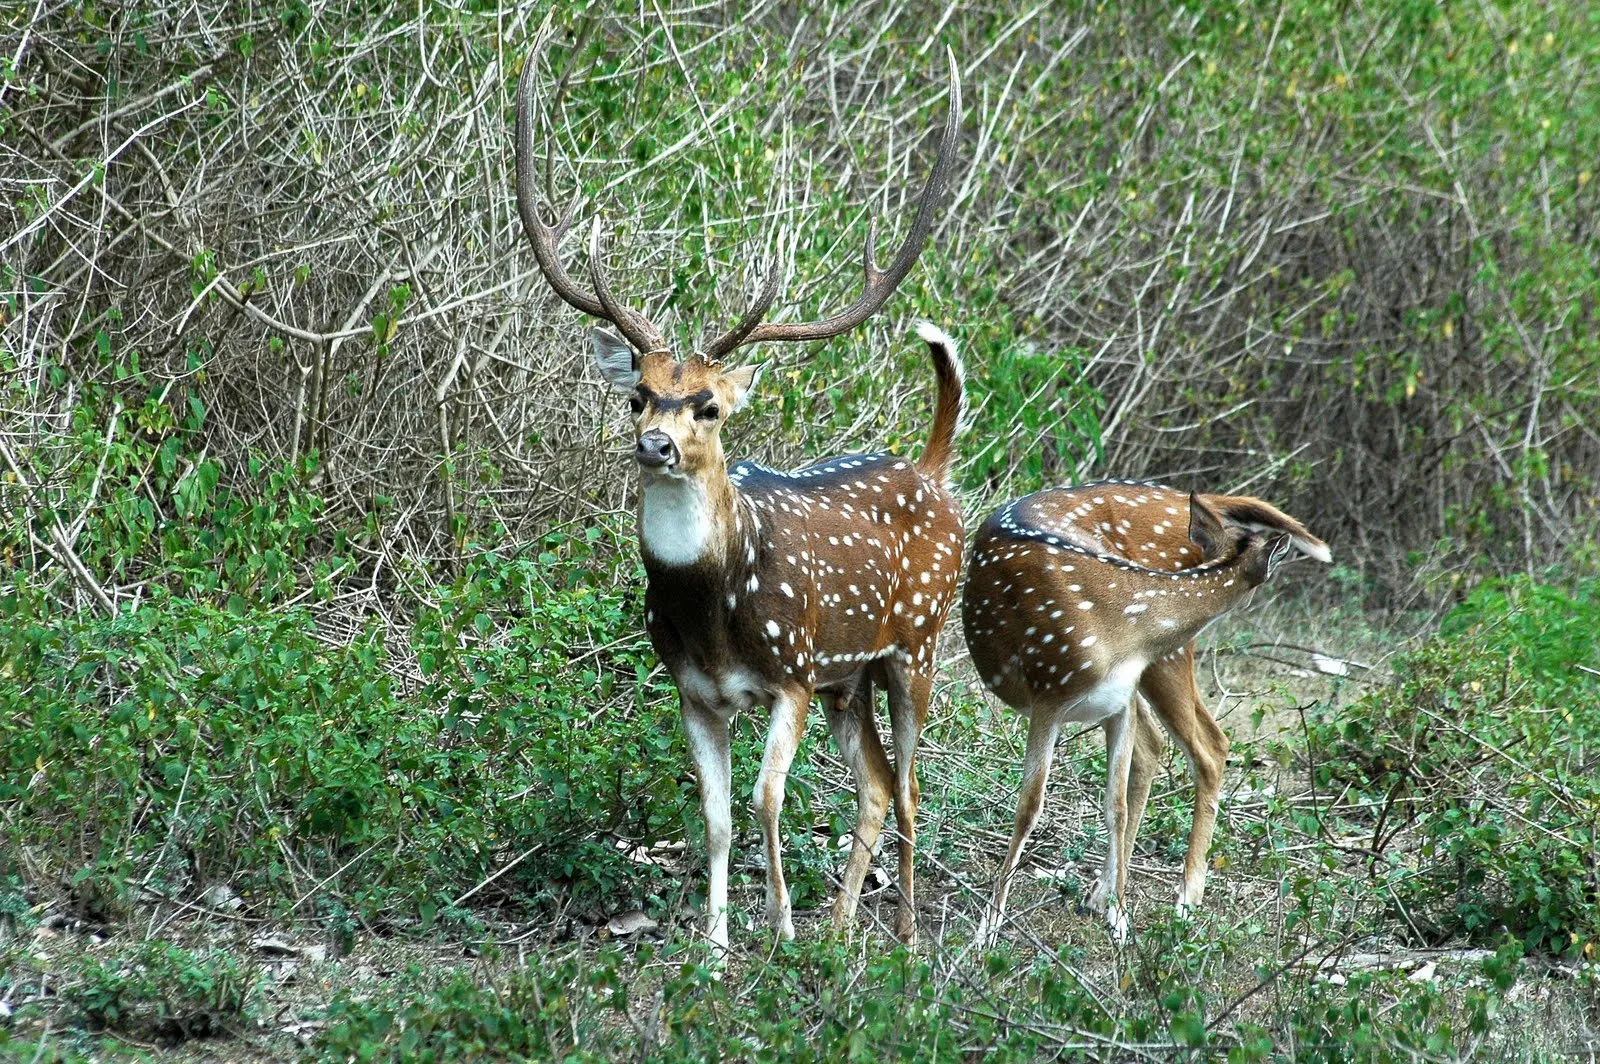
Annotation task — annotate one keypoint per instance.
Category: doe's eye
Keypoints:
(636, 404)
(706, 413)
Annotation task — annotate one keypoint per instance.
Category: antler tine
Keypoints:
(869, 255)
(546, 237)
(644, 336)
(879, 284)
(752, 317)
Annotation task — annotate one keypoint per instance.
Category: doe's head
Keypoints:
(678, 407)
(1207, 531)
(1260, 552)
(1264, 554)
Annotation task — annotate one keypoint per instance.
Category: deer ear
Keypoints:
(1277, 552)
(615, 359)
(1205, 527)
(743, 381)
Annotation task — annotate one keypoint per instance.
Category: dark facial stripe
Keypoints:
(667, 404)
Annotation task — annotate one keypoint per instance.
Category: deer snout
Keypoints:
(655, 450)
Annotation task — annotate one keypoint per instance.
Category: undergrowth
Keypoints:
(825, 1002)
(1479, 770)
(199, 740)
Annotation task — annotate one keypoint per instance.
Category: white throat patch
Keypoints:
(676, 523)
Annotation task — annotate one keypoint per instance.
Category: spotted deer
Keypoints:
(766, 587)
(1079, 599)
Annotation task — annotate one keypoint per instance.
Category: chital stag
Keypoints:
(1080, 597)
(767, 587)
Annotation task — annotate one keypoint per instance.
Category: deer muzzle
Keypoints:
(655, 450)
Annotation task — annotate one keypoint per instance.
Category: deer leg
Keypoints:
(707, 734)
(1171, 688)
(1043, 727)
(854, 729)
(783, 738)
(908, 710)
(1108, 892)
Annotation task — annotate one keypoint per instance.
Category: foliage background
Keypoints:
(1342, 254)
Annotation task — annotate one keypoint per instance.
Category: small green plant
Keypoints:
(160, 990)
(826, 1002)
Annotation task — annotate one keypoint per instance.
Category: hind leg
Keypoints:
(1043, 728)
(850, 718)
(909, 693)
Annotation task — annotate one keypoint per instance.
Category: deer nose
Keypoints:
(655, 450)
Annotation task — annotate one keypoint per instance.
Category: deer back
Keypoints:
(1148, 523)
(1053, 617)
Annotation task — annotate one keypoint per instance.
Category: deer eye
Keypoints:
(637, 405)
(706, 413)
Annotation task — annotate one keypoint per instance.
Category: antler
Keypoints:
(546, 238)
(879, 284)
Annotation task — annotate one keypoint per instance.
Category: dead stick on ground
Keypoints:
(523, 857)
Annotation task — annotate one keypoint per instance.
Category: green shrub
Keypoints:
(181, 744)
(158, 510)
(164, 991)
(1479, 768)
(825, 1002)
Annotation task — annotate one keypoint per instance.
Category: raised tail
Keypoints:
(1264, 517)
(937, 456)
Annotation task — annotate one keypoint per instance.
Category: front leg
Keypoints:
(783, 739)
(707, 732)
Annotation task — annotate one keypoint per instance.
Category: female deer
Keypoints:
(1079, 598)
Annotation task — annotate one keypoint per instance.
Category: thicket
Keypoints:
(1479, 770)
(1343, 255)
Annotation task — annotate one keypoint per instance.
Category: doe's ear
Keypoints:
(743, 379)
(1205, 528)
(614, 358)
(1277, 553)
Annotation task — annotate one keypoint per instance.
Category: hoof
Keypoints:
(1188, 902)
(1117, 924)
(780, 917)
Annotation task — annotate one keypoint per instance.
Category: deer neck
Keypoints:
(689, 521)
(1208, 592)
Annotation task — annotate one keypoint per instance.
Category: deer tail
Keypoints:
(948, 407)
